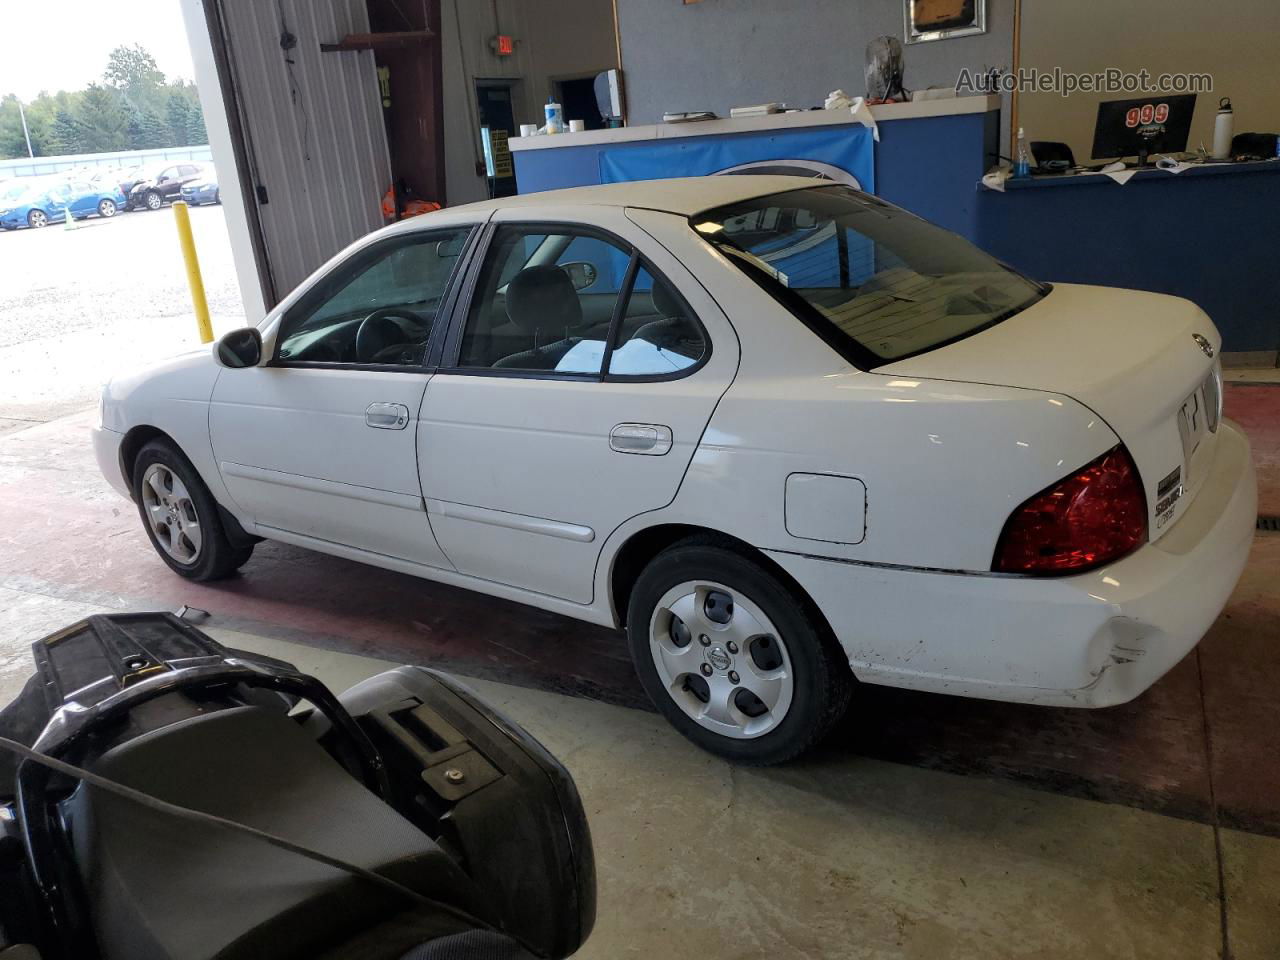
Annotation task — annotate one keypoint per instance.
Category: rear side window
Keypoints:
(876, 282)
(658, 333)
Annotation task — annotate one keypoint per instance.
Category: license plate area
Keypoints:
(1199, 414)
(1193, 423)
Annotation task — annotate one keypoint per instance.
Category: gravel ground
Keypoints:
(78, 305)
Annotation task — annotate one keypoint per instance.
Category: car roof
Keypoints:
(681, 195)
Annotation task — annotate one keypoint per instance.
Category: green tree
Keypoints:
(197, 135)
(12, 142)
(105, 119)
(67, 135)
(178, 115)
(133, 72)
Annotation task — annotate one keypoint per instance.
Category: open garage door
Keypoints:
(306, 131)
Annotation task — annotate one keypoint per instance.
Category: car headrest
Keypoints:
(665, 302)
(543, 298)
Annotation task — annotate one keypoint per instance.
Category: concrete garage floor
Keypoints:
(927, 827)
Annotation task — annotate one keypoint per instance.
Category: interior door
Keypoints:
(321, 442)
(546, 429)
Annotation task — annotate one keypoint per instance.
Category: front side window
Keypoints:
(877, 282)
(377, 308)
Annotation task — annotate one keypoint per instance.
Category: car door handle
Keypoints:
(648, 439)
(387, 416)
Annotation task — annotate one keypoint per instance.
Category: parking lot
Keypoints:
(76, 305)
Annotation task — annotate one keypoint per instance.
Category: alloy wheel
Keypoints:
(153, 201)
(171, 513)
(721, 659)
(107, 208)
(37, 219)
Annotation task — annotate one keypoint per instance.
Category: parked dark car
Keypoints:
(162, 185)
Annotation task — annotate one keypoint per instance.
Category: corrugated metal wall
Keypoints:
(314, 128)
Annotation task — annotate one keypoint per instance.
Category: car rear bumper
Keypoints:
(1092, 640)
(106, 448)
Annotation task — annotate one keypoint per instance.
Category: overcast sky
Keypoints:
(63, 44)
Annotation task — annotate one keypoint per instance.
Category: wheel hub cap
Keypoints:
(171, 514)
(737, 680)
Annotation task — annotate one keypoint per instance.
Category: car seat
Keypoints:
(675, 331)
(542, 301)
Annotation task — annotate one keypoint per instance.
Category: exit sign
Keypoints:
(503, 45)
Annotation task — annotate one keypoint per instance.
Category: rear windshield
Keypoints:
(877, 283)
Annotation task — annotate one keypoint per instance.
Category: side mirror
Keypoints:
(448, 249)
(239, 348)
(582, 274)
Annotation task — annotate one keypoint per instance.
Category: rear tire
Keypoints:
(106, 208)
(733, 657)
(181, 517)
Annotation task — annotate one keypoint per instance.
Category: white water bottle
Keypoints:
(1223, 129)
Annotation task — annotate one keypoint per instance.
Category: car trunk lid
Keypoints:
(1142, 362)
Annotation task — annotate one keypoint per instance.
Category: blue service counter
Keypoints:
(1210, 234)
(927, 160)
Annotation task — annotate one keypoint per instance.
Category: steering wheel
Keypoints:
(380, 339)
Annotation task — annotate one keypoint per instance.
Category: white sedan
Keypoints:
(786, 434)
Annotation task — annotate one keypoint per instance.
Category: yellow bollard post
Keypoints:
(194, 280)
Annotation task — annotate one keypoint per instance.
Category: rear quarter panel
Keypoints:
(944, 463)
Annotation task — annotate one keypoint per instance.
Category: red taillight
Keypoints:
(1097, 514)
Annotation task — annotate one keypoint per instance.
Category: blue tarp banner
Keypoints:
(850, 149)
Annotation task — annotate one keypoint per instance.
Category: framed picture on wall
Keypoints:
(943, 19)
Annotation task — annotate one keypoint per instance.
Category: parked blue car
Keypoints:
(203, 190)
(103, 199)
(42, 203)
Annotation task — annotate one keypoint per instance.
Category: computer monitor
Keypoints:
(1136, 128)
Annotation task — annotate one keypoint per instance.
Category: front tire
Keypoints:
(181, 517)
(106, 208)
(733, 657)
(37, 219)
(153, 200)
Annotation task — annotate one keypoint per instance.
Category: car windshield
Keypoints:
(13, 192)
(877, 283)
